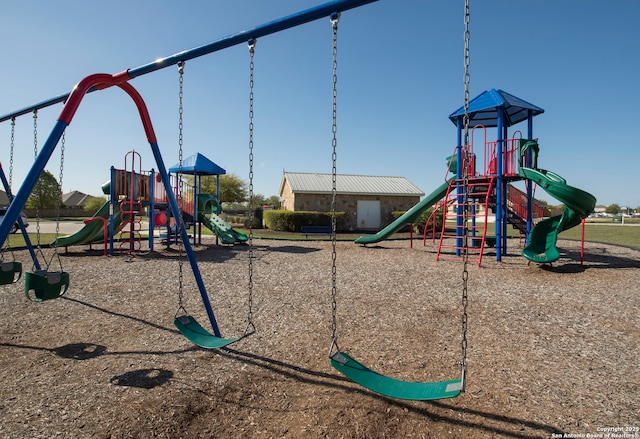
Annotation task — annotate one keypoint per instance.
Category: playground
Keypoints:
(479, 335)
(551, 350)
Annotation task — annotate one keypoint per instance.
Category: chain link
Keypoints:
(179, 223)
(465, 165)
(250, 326)
(335, 17)
(7, 243)
(59, 205)
(13, 137)
(38, 186)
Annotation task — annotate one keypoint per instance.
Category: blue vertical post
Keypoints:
(195, 209)
(112, 206)
(460, 190)
(152, 208)
(505, 193)
(499, 189)
(25, 235)
(529, 184)
(175, 211)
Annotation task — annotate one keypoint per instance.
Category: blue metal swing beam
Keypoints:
(101, 81)
(297, 19)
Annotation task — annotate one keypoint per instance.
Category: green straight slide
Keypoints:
(578, 204)
(207, 215)
(92, 232)
(410, 216)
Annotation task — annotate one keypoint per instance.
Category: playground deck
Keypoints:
(550, 351)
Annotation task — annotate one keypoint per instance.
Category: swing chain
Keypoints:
(179, 183)
(335, 17)
(56, 254)
(465, 164)
(13, 136)
(39, 187)
(250, 326)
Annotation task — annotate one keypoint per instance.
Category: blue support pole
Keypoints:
(505, 194)
(271, 27)
(112, 204)
(25, 235)
(529, 184)
(460, 191)
(152, 208)
(499, 189)
(175, 211)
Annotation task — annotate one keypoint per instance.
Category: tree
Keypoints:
(233, 189)
(46, 194)
(613, 208)
(273, 201)
(94, 203)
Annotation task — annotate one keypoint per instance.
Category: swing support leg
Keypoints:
(175, 211)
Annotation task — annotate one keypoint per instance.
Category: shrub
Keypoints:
(290, 221)
(425, 217)
(422, 219)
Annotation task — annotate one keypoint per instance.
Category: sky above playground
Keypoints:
(400, 74)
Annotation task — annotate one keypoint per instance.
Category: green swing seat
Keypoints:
(196, 334)
(391, 387)
(10, 272)
(45, 284)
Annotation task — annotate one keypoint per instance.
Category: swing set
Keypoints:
(55, 283)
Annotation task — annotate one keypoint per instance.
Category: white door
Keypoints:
(368, 214)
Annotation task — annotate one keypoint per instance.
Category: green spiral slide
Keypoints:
(578, 204)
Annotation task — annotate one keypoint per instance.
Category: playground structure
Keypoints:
(136, 195)
(505, 160)
(133, 193)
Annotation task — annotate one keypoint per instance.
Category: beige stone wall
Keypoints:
(287, 198)
(345, 203)
(349, 205)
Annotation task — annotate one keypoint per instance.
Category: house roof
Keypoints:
(483, 109)
(197, 164)
(313, 183)
(74, 199)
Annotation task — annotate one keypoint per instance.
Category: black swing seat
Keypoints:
(10, 272)
(196, 334)
(391, 387)
(45, 284)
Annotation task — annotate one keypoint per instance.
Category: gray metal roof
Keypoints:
(312, 183)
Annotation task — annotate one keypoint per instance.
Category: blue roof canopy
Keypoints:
(197, 164)
(484, 109)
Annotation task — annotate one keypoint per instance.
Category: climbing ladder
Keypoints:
(477, 206)
(131, 206)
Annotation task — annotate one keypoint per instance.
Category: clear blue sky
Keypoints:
(400, 76)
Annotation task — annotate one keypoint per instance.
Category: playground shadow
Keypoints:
(427, 409)
(598, 258)
(143, 378)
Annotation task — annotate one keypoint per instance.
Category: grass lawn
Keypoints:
(609, 233)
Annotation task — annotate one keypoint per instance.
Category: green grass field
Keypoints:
(609, 233)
